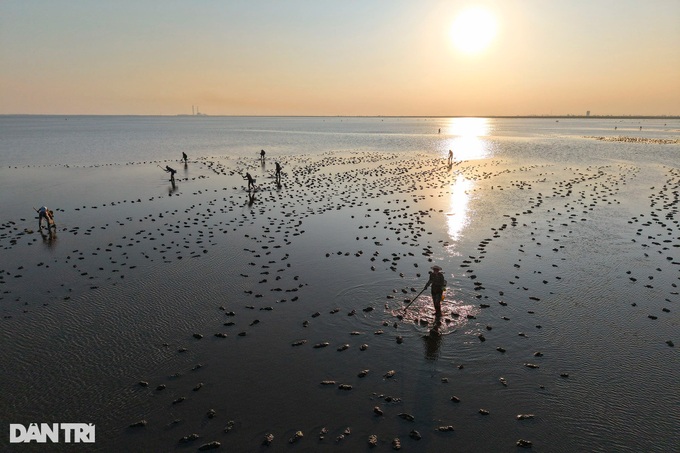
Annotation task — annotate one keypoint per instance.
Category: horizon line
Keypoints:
(203, 115)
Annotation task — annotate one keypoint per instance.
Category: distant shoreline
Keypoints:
(613, 117)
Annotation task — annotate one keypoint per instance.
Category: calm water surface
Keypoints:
(86, 140)
(540, 232)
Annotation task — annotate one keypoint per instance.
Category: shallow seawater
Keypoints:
(566, 256)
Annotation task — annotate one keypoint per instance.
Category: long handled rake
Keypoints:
(414, 299)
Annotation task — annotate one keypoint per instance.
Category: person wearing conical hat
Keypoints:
(438, 284)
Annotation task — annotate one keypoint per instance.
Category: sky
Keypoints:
(344, 57)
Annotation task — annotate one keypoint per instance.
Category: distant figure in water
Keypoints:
(438, 286)
(251, 181)
(184, 157)
(48, 215)
(440, 130)
(262, 154)
(172, 172)
(450, 157)
(278, 173)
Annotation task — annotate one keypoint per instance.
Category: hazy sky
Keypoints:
(344, 57)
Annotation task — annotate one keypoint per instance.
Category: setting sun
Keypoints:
(473, 30)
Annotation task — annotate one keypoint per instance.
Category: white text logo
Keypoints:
(55, 432)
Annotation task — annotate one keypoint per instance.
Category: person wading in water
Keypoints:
(172, 172)
(438, 285)
(278, 173)
(48, 215)
(251, 181)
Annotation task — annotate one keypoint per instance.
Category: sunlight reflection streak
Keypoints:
(457, 217)
(468, 139)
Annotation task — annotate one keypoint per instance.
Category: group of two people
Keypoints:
(48, 216)
(251, 181)
(172, 171)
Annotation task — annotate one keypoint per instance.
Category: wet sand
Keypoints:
(160, 312)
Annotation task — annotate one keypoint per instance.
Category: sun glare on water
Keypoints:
(473, 30)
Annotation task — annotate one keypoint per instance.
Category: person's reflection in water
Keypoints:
(49, 238)
(433, 340)
(172, 187)
(251, 199)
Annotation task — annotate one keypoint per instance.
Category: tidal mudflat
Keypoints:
(201, 315)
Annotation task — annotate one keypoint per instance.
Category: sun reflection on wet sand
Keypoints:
(468, 141)
(457, 217)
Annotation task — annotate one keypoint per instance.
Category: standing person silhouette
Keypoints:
(278, 173)
(450, 157)
(438, 286)
(184, 157)
(262, 153)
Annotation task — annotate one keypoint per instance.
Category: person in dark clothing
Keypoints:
(278, 173)
(172, 172)
(262, 153)
(185, 158)
(251, 181)
(438, 285)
